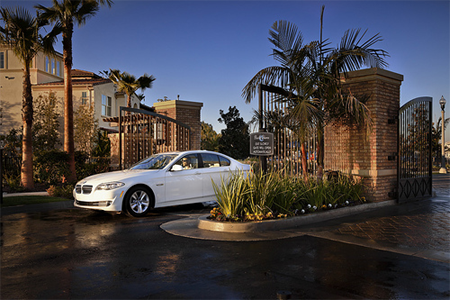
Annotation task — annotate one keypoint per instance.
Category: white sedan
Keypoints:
(164, 179)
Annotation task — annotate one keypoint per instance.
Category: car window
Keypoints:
(156, 161)
(224, 162)
(210, 160)
(189, 161)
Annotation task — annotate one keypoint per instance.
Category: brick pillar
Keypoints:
(186, 112)
(369, 154)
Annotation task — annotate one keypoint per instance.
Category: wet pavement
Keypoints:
(396, 252)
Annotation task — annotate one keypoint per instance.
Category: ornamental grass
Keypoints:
(260, 196)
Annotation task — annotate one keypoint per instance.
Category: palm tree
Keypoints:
(329, 67)
(21, 33)
(292, 75)
(128, 83)
(65, 14)
(314, 72)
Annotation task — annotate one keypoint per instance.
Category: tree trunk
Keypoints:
(26, 174)
(320, 150)
(68, 102)
(304, 162)
(128, 100)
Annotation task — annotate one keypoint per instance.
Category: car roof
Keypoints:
(190, 151)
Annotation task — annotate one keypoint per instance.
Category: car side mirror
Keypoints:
(176, 168)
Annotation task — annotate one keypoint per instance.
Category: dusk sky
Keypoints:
(207, 51)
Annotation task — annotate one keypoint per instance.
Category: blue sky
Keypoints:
(207, 51)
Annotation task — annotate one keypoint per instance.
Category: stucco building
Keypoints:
(44, 68)
(89, 88)
(47, 75)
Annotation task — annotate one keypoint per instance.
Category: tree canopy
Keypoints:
(235, 139)
(312, 76)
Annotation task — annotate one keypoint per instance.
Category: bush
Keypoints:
(51, 167)
(259, 196)
(13, 182)
(86, 166)
(63, 191)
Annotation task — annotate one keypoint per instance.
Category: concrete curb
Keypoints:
(5, 195)
(281, 224)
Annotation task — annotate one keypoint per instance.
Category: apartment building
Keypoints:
(44, 68)
(89, 88)
(47, 75)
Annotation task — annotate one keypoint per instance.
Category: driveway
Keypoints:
(81, 254)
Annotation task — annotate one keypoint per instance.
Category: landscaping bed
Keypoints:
(278, 195)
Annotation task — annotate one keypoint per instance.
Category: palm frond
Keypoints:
(275, 75)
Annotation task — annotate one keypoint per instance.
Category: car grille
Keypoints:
(83, 189)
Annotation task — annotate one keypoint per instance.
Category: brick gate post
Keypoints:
(369, 154)
(187, 112)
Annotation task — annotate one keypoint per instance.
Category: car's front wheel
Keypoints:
(138, 201)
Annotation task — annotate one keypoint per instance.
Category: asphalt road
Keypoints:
(82, 254)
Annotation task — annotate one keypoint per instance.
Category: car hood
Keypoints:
(117, 176)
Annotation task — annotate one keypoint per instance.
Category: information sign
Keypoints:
(261, 143)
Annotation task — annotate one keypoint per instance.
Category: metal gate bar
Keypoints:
(273, 109)
(414, 150)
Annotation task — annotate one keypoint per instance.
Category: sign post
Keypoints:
(261, 144)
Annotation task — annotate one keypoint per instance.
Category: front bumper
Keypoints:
(99, 200)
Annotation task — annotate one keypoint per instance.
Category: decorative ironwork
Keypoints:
(143, 133)
(273, 117)
(414, 150)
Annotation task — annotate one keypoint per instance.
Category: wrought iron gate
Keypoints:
(145, 133)
(414, 150)
(273, 117)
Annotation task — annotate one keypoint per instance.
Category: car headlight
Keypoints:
(110, 185)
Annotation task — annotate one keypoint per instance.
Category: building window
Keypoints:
(47, 64)
(84, 98)
(2, 60)
(58, 68)
(106, 106)
(53, 66)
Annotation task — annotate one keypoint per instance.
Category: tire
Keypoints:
(138, 201)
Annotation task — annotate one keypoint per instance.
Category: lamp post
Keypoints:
(443, 170)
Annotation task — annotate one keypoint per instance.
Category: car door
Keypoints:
(184, 186)
(215, 167)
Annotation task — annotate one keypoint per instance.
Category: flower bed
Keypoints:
(258, 197)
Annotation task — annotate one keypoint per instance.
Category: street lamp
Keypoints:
(443, 170)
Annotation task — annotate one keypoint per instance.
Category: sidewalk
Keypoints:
(25, 194)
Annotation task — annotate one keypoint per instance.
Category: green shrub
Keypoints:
(258, 196)
(12, 180)
(86, 166)
(231, 194)
(51, 167)
(63, 191)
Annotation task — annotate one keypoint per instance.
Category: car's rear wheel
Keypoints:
(138, 201)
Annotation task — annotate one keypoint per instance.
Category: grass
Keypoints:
(27, 200)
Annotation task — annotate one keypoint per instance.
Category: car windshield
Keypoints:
(154, 162)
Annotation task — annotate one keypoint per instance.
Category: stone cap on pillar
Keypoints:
(373, 74)
(177, 103)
